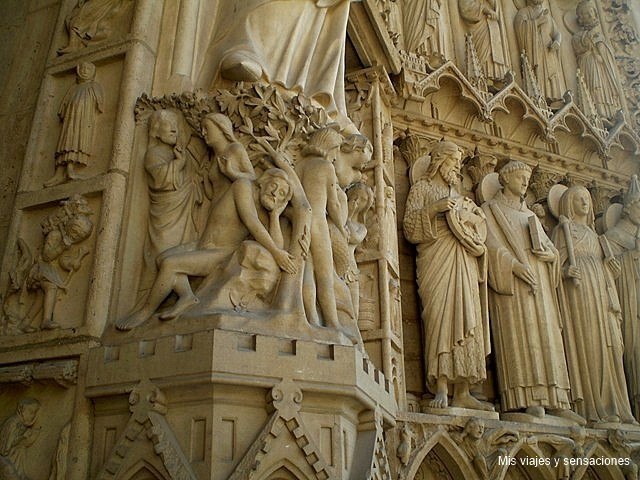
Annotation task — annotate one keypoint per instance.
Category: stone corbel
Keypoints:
(62, 372)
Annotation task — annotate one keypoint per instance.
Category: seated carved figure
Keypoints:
(17, 434)
(233, 218)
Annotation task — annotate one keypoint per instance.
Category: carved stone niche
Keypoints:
(35, 414)
(50, 266)
(250, 414)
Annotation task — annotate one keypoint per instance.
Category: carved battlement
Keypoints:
(229, 357)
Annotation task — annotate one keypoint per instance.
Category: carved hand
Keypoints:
(524, 273)
(491, 14)
(554, 46)
(572, 272)
(442, 205)
(285, 261)
(545, 255)
(614, 265)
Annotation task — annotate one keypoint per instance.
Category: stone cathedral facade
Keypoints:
(320, 239)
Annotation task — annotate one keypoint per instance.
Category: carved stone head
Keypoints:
(446, 158)
(275, 189)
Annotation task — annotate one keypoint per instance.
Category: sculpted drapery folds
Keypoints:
(17, 434)
(93, 21)
(172, 192)
(422, 27)
(596, 61)
(592, 334)
(245, 46)
(450, 275)
(485, 24)
(624, 238)
(78, 113)
(539, 37)
(524, 274)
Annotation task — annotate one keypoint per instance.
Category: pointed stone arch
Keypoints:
(143, 470)
(442, 446)
(284, 470)
(533, 471)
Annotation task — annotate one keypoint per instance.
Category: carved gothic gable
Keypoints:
(284, 444)
(147, 442)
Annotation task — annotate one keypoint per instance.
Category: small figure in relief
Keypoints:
(17, 434)
(78, 112)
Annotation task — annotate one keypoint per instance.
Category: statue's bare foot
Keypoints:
(567, 415)
(181, 305)
(535, 411)
(58, 177)
(72, 174)
(50, 325)
(132, 321)
(468, 401)
(441, 401)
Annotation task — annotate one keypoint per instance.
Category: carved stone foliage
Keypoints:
(287, 205)
(94, 21)
(39, 276)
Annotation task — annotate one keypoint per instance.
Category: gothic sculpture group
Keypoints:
(276, 237)
(423, 29)
(553, 306)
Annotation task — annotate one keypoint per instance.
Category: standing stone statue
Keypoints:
(422, 26)
(524, 273)
(538, 36)
(450, 279)
(592, 335)
(17, 434)
(172, 192)
(596, 61)
(305, 53)
(78, 112)
(624, 238)
(485, 24)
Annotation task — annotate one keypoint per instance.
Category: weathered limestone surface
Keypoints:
(319, 239)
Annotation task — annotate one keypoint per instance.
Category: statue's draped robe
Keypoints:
(526, 327)
(421, 26)
(172, 196)
(622, 239)
(298, 43)
(455, 323)
(535, 39)
(78, 112)
(598, 67)
(592, 334)
(488, 38)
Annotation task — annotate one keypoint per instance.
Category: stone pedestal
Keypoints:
(224, 404)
